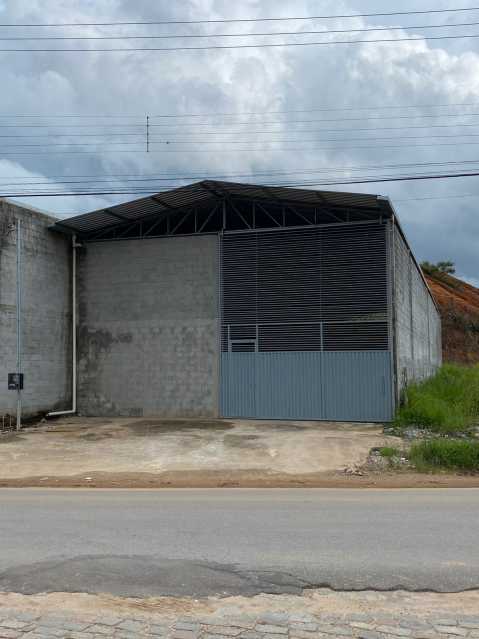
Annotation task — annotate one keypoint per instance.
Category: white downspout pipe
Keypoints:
(74, 336)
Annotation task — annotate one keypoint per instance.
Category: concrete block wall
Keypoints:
(46, 311)
(148, 327)
(417, 320)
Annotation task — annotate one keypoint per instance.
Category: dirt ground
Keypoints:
(154, 453)
(316, 602)
(245, 479)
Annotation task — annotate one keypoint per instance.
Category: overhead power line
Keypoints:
(243, 140)
(322, 129)
(74, 135)
(238, 20)
(347, 140)
(318, 109)
(202, 175)
(142, 116)
(242, 46)
(436, 197)
(426, 116)
(195, 141)
(141, 125)
(237, 35)
(290, 184)
(261, 149)
(142, 183)
(203, 134)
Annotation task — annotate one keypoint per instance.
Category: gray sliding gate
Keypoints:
(305, 324)
(307, 385)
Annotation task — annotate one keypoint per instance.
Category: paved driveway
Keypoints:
(75, 446)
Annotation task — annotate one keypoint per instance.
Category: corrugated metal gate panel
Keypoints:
(305, 324)
(288, 385)
(307, 385)
(356, 386)
(238, 385)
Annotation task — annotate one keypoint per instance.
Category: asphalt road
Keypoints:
(226, 542)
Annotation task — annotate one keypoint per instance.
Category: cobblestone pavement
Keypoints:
(15, 624)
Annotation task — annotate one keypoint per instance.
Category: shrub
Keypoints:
(445, 403)
(446, 454)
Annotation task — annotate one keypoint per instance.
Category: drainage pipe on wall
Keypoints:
(74, 336)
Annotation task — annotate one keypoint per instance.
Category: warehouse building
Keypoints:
(226, 300)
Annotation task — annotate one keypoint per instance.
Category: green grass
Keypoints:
(389, 452)
(445, 454)
(445, 403)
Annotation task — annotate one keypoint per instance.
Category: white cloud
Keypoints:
(253, 80)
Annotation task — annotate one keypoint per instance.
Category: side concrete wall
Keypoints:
(418, 323)
(148, 327)
(46, 312)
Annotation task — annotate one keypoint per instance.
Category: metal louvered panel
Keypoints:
(290, 337)
(239, 270)
(288, 286)
(309, 289)
(355, 336)
(353, 273)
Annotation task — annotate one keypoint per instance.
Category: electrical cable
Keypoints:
(237, 35)
(237, 20)
(242, 46)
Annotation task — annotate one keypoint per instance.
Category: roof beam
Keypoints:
(181, 221)
(127, 229)
(238, 212)
(325, 207)
(158, 199)
(208, 218)
(159, 220)
(269, 215)
(117, 215)
(361, 214)
(65, 226)
(298, 214)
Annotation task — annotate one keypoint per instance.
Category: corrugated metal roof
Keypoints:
(200, 192)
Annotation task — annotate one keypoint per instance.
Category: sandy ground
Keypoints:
(315, 602)
(172, 448)
(244, 479)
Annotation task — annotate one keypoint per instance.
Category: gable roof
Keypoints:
(210, 190)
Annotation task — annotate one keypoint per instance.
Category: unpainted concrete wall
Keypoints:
(46, 312)
(148, 333)
(417, 321)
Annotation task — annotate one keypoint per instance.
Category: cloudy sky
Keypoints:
(296, 115)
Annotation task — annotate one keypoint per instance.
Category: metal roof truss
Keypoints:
(229, 213)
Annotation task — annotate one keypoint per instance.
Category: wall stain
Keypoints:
(93, 345)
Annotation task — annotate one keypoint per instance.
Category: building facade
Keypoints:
(229, 300)
(45, 311)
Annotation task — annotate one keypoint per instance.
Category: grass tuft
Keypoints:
(389, 452)
(445, 454)
(445, 403)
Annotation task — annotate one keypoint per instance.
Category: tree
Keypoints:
(446, 267)
(441, 267)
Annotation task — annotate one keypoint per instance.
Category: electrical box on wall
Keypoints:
(15, 381)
